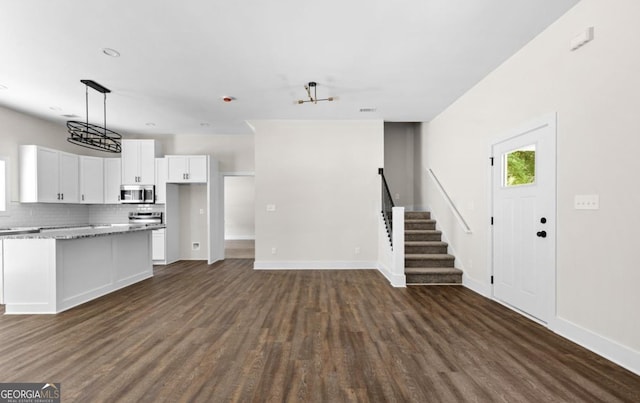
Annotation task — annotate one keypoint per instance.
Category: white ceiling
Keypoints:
(409, 59)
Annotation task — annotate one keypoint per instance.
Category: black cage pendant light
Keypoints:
(93, 136)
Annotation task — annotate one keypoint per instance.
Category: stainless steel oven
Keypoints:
(137, 194)
(145, 217)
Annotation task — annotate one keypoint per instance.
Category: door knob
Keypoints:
(542, 234)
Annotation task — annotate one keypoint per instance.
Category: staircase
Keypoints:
(425, 255)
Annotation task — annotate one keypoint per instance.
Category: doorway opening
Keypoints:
(239, 216)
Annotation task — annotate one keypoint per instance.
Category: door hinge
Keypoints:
(491, 279)
(491, 220)
(491, 158)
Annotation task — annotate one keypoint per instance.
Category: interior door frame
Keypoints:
(549, 120)
(221, 190)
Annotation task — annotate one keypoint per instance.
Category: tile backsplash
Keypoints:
(51, 215)
(43, 215)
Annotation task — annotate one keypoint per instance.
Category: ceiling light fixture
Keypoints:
(93, 136)
(313, 98)
(111, 52)
(228, 99)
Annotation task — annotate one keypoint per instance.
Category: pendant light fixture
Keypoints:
(313, 98)
(93, 136)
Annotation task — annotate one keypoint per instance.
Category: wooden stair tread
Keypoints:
(422, 231)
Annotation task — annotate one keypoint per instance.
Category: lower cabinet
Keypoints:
(157, 246)
(48, 275)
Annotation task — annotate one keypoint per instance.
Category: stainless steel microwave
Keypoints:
(137, 194)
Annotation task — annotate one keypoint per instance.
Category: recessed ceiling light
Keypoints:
(227, 98)
(111, 52)
(150, 124)
(205, 124)
(368, 109)
(70, 116)
(3, 87)
(55, 108)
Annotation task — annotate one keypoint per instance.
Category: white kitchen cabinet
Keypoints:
(91, 180)
(187, 168)
(138, 162)
(157, 246)
(48, 176)
(161, 180)
(112, 180)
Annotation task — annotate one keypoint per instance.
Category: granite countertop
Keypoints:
(85, 231)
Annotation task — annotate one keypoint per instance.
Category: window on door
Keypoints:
(520, 166)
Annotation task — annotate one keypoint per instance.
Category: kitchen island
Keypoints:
(57, 269)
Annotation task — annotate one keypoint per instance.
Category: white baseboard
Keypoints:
(240, 238)
(399, 281)
(314, 265)
(476, 286)
(609, 349)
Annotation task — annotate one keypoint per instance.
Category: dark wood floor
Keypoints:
(198, 333)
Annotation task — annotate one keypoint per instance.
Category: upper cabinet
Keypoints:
(91, 180)
(138, 162)
(48, 176)
(187, 168)
(112, 178)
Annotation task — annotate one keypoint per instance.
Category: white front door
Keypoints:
(524, 218)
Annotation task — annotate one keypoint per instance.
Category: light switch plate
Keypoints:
(586, 202)
(271, 207)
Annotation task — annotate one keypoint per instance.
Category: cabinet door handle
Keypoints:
(58, 196)
(82, 197)
(61, 196)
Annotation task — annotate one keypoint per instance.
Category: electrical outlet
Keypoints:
(271, 207)
(201, 211)
(274, 251)
(357, 250)
(195, 246)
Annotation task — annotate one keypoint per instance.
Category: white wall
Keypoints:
(193, 221)
(399, 162)
(239, 207)
(596, 93)
(322, 177)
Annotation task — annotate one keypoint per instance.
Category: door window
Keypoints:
(520, 166)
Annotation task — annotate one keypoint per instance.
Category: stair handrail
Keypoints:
(387, 205)
(452, 205)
